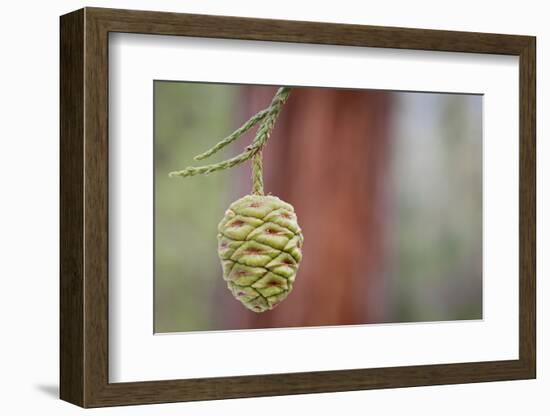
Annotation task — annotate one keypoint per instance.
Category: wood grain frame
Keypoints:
(84, 207)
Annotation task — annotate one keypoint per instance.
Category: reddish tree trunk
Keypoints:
(327, 156)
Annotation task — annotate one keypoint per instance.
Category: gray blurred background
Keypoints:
(387, 187)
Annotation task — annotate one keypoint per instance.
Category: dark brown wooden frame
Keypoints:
(84, 207)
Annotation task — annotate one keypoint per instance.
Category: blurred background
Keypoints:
(387, 187)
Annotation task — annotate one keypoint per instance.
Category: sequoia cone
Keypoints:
(260, 248)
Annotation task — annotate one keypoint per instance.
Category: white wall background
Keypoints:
(29, 85)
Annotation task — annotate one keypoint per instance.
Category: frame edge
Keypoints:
(71, 290)
(528, 208)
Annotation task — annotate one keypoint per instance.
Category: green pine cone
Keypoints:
(259, 244)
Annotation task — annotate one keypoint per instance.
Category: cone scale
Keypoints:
(260, 249)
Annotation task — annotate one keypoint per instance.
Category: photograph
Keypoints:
(284, 207)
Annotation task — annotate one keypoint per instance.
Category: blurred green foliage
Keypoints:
(436, 225)
(189, 118)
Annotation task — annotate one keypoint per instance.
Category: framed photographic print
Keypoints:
(256, 207)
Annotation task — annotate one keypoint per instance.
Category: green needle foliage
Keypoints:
(266, 118)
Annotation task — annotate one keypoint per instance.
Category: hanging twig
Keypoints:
(255, 119)
(267, 118)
